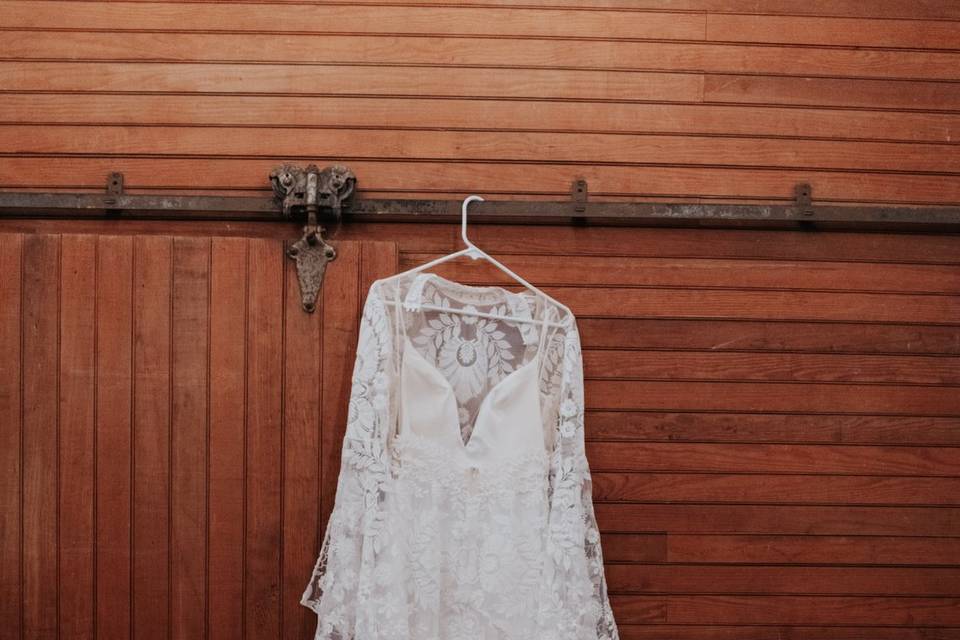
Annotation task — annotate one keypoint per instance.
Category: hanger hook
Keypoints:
(463, 219)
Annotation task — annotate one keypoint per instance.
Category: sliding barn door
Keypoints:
(170, 429)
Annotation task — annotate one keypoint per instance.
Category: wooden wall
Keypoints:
(170, 431)
(720, 100)
(773, 417)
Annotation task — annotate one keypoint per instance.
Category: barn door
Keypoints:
(170, 429)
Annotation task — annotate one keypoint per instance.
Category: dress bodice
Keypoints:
(508, 420)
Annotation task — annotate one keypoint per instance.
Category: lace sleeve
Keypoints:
(576, 605)
(353, 533)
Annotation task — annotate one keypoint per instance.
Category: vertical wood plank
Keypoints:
(152, 273)
(377, 260)
(341, 309)
(188, 454)
(11, 506)
(301, 449)
(41, 336)
(264, 437)
(114, 303)
(228, 283)
(76, 451)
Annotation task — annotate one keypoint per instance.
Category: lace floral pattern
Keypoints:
(474, 353)
(575, 603)
(339, 586)
(420, 546)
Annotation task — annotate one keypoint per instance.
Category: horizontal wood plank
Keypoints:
(467, 146)
(327, 19)
(569, 22)
(758, 488)
(789, 610)
(746, 458)
(449, 114)
(900, 95)
(776, 367)
(928, 9)
(775, 397)
(728, 427)
(654, 631)
(699, 272)
(772, 581)
(346, 80)
(707, 243)
(806, 520)
(678, 302)
(778, 336)
(777, 550)
(687, 57)
(832, 31)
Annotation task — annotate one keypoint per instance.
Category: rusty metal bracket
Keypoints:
(802, 194)
(578, 197)
(308, 190)
(579, 194)
(114, 190)
(804, 203)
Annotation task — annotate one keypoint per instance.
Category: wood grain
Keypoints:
(929, 9)
(11, 462)
(553, 148)
(774, 550)
(469, 51)
(776, 367)
(152, 415)
(808, 581)
(77, 464)
(807, 520)
(40, 435)
(302, 412)
(774, 458)
(820, 30)
(798, 631)
(188, 425)
(740, 273)
(346, 19)
(345, 79)
(772, 417)
(737, 415)
(341, 310)
(757, 426)
(649, 486)
(262, 488)
(788, 610)
(203, 107)
(226, 463)
(773, 397)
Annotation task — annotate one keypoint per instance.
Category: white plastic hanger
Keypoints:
(475, 252)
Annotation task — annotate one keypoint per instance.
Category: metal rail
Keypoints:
(330, 194)
(800, 214)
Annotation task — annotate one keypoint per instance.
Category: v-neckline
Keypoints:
(477, 422)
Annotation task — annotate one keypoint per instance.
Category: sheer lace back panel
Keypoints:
(475, 354)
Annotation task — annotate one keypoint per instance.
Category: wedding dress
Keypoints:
(463, 508)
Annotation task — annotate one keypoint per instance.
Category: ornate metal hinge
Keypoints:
(308, 190)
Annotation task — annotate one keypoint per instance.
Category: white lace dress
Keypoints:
(464, 506)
